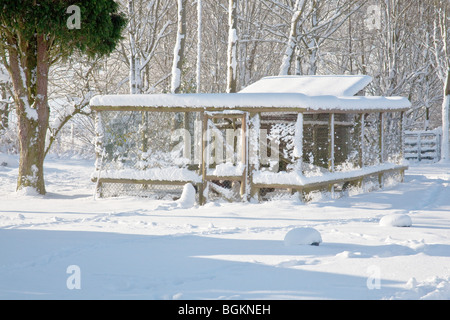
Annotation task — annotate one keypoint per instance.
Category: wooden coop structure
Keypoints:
(281, 136)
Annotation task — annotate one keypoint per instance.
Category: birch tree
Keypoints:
(135, 74)
(232, 47)
(149, 25)
(178, 53)
(313, 23)
(288, 57)
(442, 54)
(198, 79)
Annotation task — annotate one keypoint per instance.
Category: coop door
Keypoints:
(225, 152)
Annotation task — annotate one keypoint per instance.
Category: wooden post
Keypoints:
(445, 153)
(402, 135)
(381, 146)
(244, 155)
(361, 150)
(254, 152)
(298, 148)
(402, 143)
(361, 140)
(203, 169)
(331, 143)
(298, 144)
(331, 149)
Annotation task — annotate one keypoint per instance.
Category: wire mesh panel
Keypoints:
(136, 149)
(277, 141)
(342, 153)
(316, 143)
(225, 155)
(151, 191)
(318, 157)
(371, 140)
(346, 143)
(393, 142)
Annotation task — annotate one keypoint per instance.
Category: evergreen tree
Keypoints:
(34, 34)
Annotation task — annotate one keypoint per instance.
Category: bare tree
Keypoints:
(179, 48)
(149, 26)
(442, 55)
(232, 47)
(288, 57)
(198, 80)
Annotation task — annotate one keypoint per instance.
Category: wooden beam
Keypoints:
(254, 152)
(402, 134)
(362, 124)
(298, 144)
(303, 110)
(144, 182)
(203, 169)
(381, 147)
(199, 109)
(226, 178)
(331, 141)
(244, 154)
(328, 182)
(381, 136)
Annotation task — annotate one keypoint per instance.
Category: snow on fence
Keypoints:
(247, 146)
(423, 145)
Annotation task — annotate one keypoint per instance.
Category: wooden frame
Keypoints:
(208, 178)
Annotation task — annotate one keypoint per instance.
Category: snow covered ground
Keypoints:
(67, 245)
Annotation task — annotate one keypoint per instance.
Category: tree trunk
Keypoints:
(232, 48)
(199, 46)
(292, 41)
(445, 120)
(30, 80)
(132, 37)
(179, 48)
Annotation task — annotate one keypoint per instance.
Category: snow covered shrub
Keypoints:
(303, 236)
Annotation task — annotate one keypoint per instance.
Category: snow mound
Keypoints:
(396, 220)
(303, 236)
(187, 199)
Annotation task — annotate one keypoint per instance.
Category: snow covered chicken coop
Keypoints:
(290, 135)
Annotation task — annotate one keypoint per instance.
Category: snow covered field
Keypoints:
(67, 245)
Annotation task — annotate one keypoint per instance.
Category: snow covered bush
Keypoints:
(303, 236)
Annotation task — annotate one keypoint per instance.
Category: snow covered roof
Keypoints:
(340, 85)
(257, 102)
